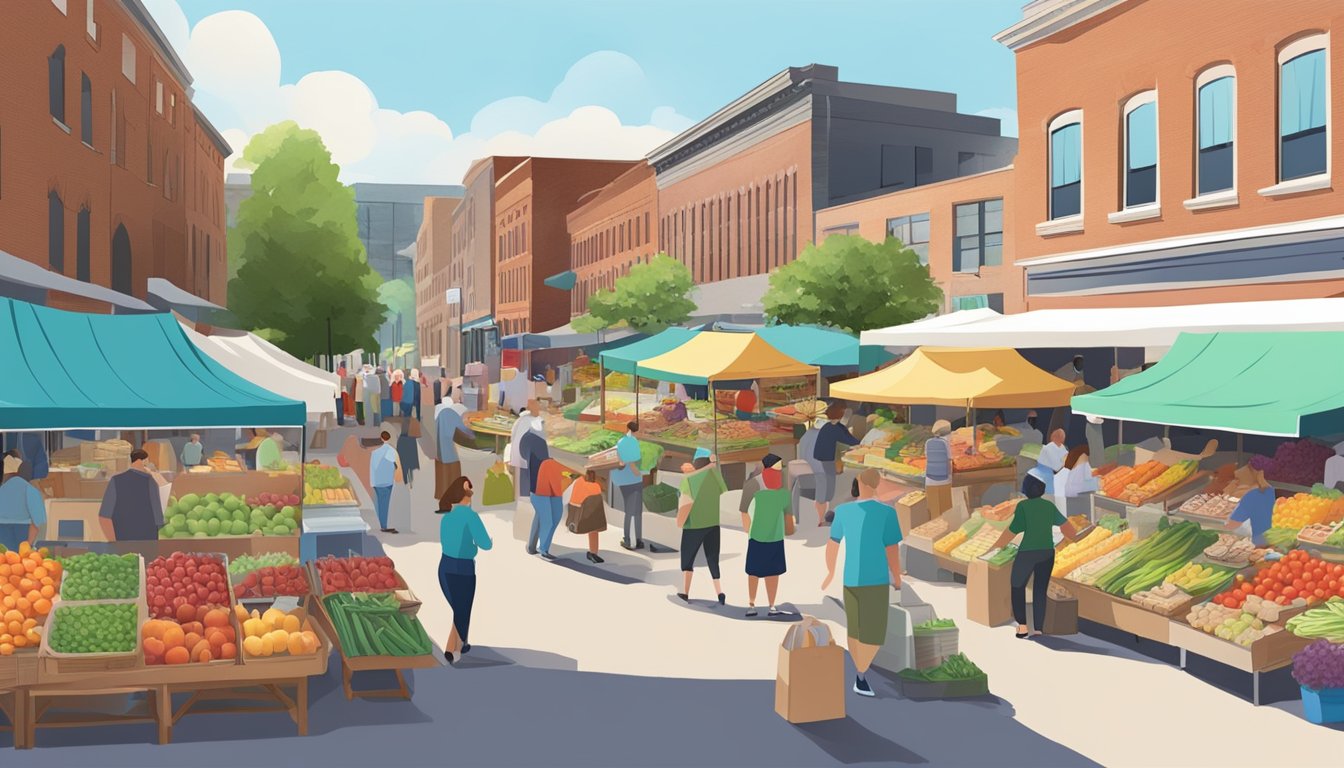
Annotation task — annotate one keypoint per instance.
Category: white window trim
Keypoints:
(1318, 42)
(1067, 118)
(1064, 226)
(1136, 213)
(1297, 186)
(61, 5)
(90, 26)
(1216, 199)
(158, 96)
(1143, 209)
(128, 45)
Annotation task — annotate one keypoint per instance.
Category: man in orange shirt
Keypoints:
(547, 507)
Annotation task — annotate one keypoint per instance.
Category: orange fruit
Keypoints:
(190, 640)
(20, 641)
(203, 655)
(154, 647)
(174, 637)
(228, 651)
(6, 649)
(177, 655)
(216, 617)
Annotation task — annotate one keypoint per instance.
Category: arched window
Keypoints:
(1304, 107)
(1216, 94)
(1141, 150)
(1066, 165)
(85, 109)
(55, 232)
(56, 83)
(82, 244)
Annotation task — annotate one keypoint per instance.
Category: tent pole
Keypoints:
(1239, 437)
(975, 433)
(714, 402)
(602, 394)
(634, 384)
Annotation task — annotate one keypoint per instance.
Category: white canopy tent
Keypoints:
(268, 366)
(1149, 327)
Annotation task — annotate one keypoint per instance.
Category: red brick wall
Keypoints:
(615, 228)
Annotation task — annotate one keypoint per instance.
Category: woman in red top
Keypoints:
(746, 402)
(398, 383)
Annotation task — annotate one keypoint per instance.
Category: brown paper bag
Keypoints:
(810, 684)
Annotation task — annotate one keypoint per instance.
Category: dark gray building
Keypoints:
(389, 220)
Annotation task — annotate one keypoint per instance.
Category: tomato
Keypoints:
(1319, 593)
(1271, 596)
(1290, 592)
(1298, 584)
(1260, 590)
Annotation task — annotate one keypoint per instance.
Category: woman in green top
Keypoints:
(766, 532)
(1035, 518)
(461, 534)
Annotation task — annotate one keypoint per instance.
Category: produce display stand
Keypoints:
(1271, 652)
(500, 435)
(1109, 610)
(397, 665)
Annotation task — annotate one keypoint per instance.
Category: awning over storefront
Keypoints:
(480, 322)
(166, 296)
(976, 378)
(625, 358)
(25, 281)
(715, 356)
(833, 351)
(261, 362)
(564, 281)
(1282, 384)
(564, 337)
(67, 370)
(1114, 327)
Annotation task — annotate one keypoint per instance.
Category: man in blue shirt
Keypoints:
(830, 437)
(1256, 507)
(629, 482)
(23, 514)
(871, 533)
(448, 428)
(384, 470)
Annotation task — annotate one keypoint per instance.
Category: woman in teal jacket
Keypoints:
(462, 535)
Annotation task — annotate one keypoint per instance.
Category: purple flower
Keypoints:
(1320, 666)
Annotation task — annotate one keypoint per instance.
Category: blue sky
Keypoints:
(483, 68)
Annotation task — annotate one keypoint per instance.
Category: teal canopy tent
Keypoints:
(625, 358)
(68, 370)
(1283, 384)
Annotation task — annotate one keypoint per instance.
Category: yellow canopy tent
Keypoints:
(970, 378)
(713, 357)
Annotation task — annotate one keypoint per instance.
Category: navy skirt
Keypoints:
(765, 558)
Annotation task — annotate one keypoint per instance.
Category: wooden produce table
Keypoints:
(1104, 608)
(352, 664)
(1264, 655)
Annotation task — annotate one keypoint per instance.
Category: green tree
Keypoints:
(398, 297)
(649, 298)
(852, 284)
(300, 262)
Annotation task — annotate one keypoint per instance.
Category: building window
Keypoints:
(979, 236)
(1216, 89)
(158, 96)
(913, 231)
(992, 301)
(85, 110)
(55, 232)
(1303, 105)
(56, 83)
(82, 245)
(127, 58)
(90, 26)
(1066, 165)
(1141, 150)
(906, 166)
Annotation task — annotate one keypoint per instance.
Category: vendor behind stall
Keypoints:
(270, 452)
(23, 514)
(132, 508)
(1257, 505)
(193, 453)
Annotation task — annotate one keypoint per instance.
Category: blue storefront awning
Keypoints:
(564, 281)
(480, 322)
(69, 370)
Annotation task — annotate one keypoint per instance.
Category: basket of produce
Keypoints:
(374, 625)
(193, 579)
(661, 499)
(957, 677)
(935, 641)
(204, 635)
(93, 576)
(89, 471)
(265, 577)
(91, 637)
(197, 516)
(276, 634)
(356, 574)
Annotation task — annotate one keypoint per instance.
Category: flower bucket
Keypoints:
(1325, 706)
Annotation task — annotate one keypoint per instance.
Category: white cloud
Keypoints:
(601, 108)
(1007, 119)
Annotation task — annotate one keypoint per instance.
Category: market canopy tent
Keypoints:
(262, 363)
(564, 337)
(969, 378)
(834, 351)
(67, 370)
(715, 356)
(623, 360)
(1281, 384)
(1112, 327)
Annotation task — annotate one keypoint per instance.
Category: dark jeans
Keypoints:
(457, 579)
(1032, 563)
(692, 539)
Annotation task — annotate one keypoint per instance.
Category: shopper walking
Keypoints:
(698, 518)
(414, 387)
(395, 393)
(461, 536)
(408, 453)
(629, 482)
(533, 450)
(766, 525)
(831, 435)
(23, 513)
(586, 492)
(1035, 518)
(547, 507)
(517, 463)
(938, 469)
(373, 396)
(448, 428)
(871, 534)
(384, 470)
(385, 389)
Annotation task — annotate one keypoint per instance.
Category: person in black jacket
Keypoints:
(532, 447)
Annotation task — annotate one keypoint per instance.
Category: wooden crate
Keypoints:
(141, 558)
(57, 663)
(285, 659)
(932, 647)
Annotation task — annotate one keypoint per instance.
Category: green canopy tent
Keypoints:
(626, 358)
(1283, 384)
(68, 370)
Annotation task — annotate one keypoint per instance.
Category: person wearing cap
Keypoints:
(698, 517)
(766, 529)
(938, 469)
(23, 513)
(1334, 467)
(830, 437)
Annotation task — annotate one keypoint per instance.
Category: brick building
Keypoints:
(433, 278)
(610, 231)
(737, 191)
(99, 141)
(1172, 152)
(531, 204)
(960, 228)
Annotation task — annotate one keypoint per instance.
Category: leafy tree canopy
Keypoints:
(852, 284)
(649, 298)
(398, 297)
(299, 258)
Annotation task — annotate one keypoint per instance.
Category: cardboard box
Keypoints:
(912, 515)
(74, 520)
(988, 593)
(810, 685)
